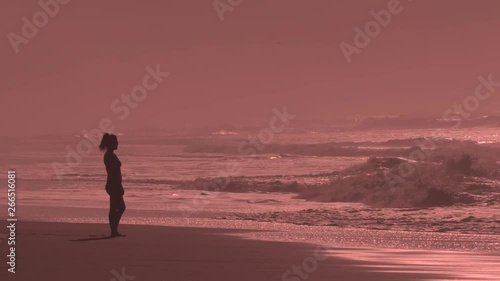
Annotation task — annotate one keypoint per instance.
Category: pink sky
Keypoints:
(264, 54)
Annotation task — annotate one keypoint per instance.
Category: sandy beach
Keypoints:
(71, 243)
(64, 251)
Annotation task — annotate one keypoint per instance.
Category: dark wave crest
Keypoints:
(440, 180)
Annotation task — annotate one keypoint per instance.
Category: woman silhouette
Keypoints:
(114, 188)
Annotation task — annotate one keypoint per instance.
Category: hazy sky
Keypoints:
(264, 54)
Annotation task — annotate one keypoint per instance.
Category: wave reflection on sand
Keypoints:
(462, 265)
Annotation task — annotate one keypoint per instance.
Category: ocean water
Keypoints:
(327, 177)
(398, 200)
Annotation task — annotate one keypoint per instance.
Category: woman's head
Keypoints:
(109, 142)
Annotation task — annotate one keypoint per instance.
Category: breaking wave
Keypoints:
(381, 183)
(451, 174)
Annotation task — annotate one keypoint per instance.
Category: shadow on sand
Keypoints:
(102, 237)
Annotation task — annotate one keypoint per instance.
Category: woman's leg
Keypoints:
(112, 214)
(116, 209)
(120, 210)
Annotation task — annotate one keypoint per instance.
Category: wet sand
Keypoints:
(78, 251)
